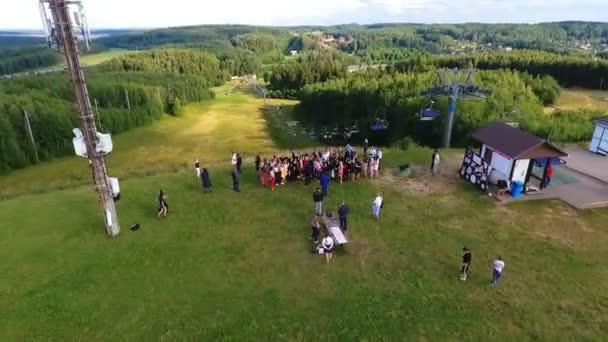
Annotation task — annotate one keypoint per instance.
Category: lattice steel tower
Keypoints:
(61, 37)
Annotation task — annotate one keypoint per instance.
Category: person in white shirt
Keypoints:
(233, 160)
(497, 268)
(379, 155)
(197, 168)
(328, 246)
(376, 205)
(372, 152)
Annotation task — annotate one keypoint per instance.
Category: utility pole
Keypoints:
(127, 98)
(28, 129)
(61, 36)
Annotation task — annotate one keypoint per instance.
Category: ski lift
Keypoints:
(379, 123)
(354, 129)
(349, 130)
(429, 114)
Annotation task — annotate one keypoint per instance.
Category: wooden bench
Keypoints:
(332, 225)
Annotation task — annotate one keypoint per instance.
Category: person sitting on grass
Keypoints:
(328, 246)
(163, 207)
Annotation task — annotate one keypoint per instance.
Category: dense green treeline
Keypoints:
(16, 60)
(569, 71)
(286, 79)
(433, 38)
(360, 97)
(48, 101)
(180, 61)
(17, 41)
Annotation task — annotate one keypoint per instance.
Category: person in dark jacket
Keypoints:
(163, 207)
(258, 160)
(325, 184)
(235, 180)
(317, 197)
(308, 171)
(239, 162)
(467, 257)
(343, 213)
(206, 180)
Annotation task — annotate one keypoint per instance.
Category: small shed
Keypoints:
(599, 141)
(512, 152)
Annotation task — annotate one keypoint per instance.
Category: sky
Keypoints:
(24, 14)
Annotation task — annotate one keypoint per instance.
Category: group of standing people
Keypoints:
(337, 164)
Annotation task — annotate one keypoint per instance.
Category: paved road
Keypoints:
(588, 163)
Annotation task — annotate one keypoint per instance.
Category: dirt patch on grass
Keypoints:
(421, 182)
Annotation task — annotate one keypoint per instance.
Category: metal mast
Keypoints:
(61, 37)
(454, 84)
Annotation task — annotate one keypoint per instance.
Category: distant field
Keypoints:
(97, 58)
(577, 98)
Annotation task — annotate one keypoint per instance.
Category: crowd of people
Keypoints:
(338, 164)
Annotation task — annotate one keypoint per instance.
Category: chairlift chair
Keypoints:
(429, 114)
(379, 123)
(354, 129)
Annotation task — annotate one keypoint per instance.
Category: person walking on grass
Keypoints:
(235, 180)
(239, 163)
(197, 168)
(163, 207)
(343, 213)
(467, 257)
(328, 247)
(377, 205)
(497, 268)
(206, 180)
(325, 184)
(315, 226)
(435, 160)
(317, 197)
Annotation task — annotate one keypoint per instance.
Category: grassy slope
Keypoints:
(577, 98)
(236, 266)
(232, 121)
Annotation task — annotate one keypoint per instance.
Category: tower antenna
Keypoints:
(60, 30)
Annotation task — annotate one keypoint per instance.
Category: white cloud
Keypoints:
(159, 13)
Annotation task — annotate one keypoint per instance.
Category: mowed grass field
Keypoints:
(577, 98)
(228, 266)
(100, 57)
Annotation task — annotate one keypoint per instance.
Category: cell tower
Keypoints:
(60, 29)
(454, 84)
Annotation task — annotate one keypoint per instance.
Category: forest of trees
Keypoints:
(16, 60)
(48, 101)
(569, 71)
(401, 61)
(286, 79)
(180, 61)
(360, 97)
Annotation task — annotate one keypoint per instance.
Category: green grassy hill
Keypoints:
(227, 266)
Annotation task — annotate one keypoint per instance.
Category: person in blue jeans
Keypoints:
(325, 184)
(498, 266)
